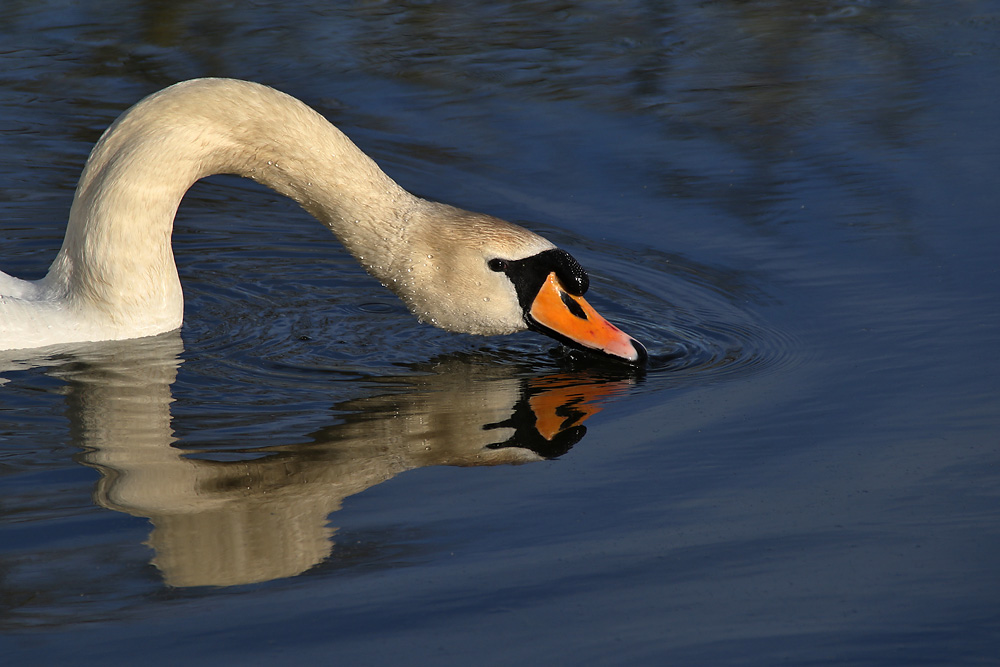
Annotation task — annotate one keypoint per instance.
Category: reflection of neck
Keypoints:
(119, 406)
(226, 523)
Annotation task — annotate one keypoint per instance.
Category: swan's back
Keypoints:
(15, 288)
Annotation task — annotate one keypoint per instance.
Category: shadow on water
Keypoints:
(231, 516)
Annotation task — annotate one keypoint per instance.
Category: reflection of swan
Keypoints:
(115, 278)
(265, 516)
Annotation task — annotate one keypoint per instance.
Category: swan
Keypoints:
(114, 277)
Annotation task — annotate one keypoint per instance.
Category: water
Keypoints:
(793, 205)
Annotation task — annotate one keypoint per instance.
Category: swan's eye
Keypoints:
(497, 265)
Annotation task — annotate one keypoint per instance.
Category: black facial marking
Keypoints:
(572, 305)
(529, 274)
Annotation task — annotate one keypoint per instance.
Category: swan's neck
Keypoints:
(117, 256)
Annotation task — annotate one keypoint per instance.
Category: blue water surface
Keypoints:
(794, 205)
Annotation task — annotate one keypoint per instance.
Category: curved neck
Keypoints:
(117, 254)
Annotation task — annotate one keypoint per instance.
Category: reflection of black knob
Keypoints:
(526, 435)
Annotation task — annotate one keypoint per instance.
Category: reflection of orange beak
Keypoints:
(572, 319)
(565, 401)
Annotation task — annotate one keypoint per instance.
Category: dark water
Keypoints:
(793, 204)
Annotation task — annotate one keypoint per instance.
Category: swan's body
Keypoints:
(115, 278)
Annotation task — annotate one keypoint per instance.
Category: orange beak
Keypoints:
(571, 319)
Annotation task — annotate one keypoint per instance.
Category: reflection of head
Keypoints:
(240, 521)
(549, 417)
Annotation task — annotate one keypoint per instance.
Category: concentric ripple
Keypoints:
(311, 314)
(693, 318)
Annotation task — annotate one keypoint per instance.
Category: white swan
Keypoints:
(115, 278)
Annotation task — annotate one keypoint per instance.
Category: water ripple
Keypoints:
(309, 325)
(696, 320)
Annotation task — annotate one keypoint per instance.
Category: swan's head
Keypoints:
(472, 273)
